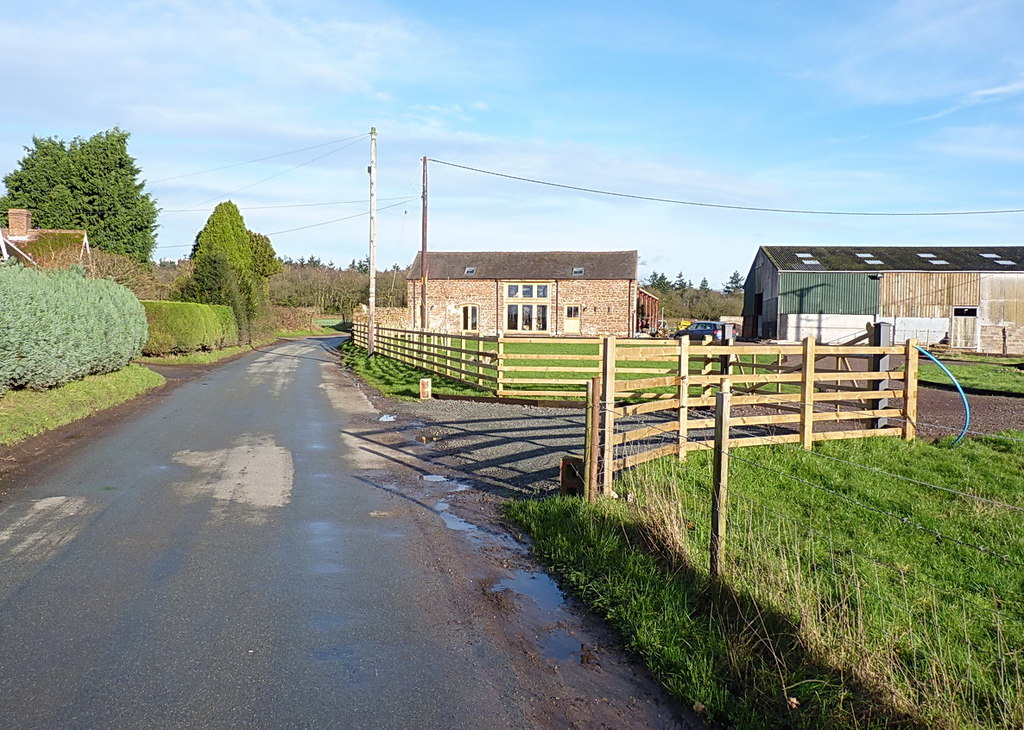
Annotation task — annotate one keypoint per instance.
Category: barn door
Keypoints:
(963, 329)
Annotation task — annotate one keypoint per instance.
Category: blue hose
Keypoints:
(963, 396)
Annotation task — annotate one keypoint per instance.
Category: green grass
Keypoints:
(205, 357)
(860, 617)
(25, 413)
(980, 375)
(395, 378)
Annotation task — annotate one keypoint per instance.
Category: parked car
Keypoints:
(700, 330)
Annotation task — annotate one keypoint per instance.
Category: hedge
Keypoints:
(59, 326)
(180, 327)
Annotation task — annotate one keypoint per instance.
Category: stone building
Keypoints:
(20, 240)
(556, 293)
(968, 297)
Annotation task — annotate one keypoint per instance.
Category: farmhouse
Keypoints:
(969, 297)
(20, 238)
(560, 293)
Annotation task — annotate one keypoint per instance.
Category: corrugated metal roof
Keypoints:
(528, 265)
(896, 258)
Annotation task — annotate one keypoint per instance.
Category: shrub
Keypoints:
(179, 327)
(59, 326)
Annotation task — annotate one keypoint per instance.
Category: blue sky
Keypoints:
(868, 106)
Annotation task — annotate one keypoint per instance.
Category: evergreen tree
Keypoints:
(704, 285)
(659, 282)
(734, 284)
(89, 184)
(681, 284)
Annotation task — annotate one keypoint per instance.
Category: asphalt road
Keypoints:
(216, 561)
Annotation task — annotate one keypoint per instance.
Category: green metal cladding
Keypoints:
(816, 292)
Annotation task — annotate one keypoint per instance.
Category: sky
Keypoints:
(874, 106)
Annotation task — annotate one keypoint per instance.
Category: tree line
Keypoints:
(680, 299)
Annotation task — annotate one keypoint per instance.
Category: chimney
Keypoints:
(19, 222)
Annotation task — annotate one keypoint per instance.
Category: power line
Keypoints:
(288, 205)
(258, 159)
(336, 220)
(276, 174)
(720, 205)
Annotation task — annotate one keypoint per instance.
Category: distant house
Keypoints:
(970, 297)
(19, 235)
(557, 293)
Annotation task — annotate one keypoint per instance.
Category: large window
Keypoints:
(470, 315)
(527, 306)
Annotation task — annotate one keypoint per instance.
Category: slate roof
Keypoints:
(896, 258)
(596, 265)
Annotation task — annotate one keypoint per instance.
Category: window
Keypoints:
(542, 291)
(939, 262)
(577, 271)
(989, 255)
(526, 318)
(513, 291)
(1004, 262)
(572, 311)
(864, 255)
(965, 311)
(873, 262)
(470, 270)
(927, 255)
(527, 291)
(804, 256)
(470, 314)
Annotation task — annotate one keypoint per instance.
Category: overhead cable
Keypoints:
(722, 205)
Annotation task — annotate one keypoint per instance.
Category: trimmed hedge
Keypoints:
(181, 327)
(59, 326)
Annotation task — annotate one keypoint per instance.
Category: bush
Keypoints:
(59, 326)
(180, 327)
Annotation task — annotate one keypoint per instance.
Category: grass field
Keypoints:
(852, 598)
(25, 413)
(398, 379)
(997, 377)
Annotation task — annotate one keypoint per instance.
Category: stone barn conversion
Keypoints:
(549, 293)
(20, 240)
(969, 297)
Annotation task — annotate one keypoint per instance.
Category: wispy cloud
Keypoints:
(982, 96)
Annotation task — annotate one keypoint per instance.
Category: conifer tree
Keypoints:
(89, 184)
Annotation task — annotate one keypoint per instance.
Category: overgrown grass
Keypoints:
(25, 413)
(851, 598)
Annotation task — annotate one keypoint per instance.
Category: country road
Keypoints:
(233, 553)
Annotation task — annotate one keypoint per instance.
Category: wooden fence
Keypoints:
(803, 393)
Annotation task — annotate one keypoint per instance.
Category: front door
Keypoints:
(572, 320)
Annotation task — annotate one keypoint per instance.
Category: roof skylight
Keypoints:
(939, 262)
(989, 255)
(470, 270)
(1005, 262)
(873, 262)
(927, 255)
(812, 262)
(864, 255)
(804, 255)
(577, 271)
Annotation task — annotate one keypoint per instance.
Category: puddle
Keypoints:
(433, 478)
(541, 588)
(558, 644)
(460, 487)
(386, 418)
(453, 522)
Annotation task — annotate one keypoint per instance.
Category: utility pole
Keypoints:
(371, 319)
(423, 254)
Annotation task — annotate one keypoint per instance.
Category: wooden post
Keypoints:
(607, 415)
(593, 446)
(807, 395)
(500, 371)
(720, 478)
(910, 391)
(708, 366)
(684, 394)
(778, 369)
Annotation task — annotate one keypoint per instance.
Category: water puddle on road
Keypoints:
(560, 645)
(451, 521)
(541, 588)
(433, 478)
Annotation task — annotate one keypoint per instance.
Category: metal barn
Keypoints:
(968, 297)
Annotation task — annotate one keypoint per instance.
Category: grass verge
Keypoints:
(205, 357)
(978, 376)
(398, 379)
(851, 598)
(25, 413)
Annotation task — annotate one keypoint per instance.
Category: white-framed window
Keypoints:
(527, 306)
(470, 318)
(527, 290)
(572, 311)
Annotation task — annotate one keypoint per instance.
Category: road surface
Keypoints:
(236, 555)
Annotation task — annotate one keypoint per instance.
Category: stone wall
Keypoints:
(1008, 340)
(606, 307)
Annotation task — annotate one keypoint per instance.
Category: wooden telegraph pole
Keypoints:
(371, 318)
(423, 254)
